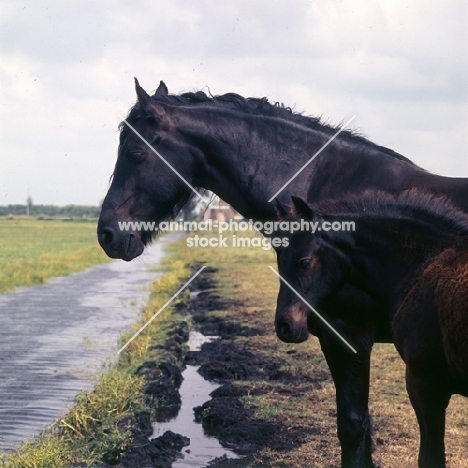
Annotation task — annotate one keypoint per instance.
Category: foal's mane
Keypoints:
(437, 211)
(261, 107)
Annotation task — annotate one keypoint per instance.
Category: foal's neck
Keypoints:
(387, 251)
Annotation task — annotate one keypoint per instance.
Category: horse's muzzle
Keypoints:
(123, 245)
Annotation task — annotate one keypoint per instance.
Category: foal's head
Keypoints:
(312, 266)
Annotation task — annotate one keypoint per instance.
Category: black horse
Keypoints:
(245, 150)
(409, 254)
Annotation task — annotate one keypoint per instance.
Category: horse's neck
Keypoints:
(246, 161)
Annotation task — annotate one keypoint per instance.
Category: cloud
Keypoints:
(67, 68)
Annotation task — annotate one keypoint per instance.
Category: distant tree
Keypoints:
(52, 211)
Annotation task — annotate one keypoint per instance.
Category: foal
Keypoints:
(409, 255)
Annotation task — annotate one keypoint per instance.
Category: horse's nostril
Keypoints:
(106, 236)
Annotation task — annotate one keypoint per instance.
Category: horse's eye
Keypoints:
(304, 263)
(136, 156)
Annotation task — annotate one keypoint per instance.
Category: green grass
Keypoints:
(44, 452)
(93, 431)
(32, 251)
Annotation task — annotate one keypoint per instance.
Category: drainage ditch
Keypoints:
(194, 392)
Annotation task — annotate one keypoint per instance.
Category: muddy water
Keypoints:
(54, 337)
(194, 391)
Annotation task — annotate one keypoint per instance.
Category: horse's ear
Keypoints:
(302, 209)
(162, 89)
(281, 210)
(143, 97)
(151, 107)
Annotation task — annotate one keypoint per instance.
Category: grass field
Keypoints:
(32, 251)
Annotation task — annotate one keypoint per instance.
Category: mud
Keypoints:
(195, 390)
(228, 363)
(224, 361)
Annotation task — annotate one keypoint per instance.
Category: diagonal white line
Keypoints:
(312, 158)
(159, 155)
(312, 309)
(161, 309)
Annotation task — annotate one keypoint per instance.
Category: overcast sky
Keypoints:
(67, 68)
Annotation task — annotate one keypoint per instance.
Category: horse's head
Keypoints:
(311, 266)
(144, 188)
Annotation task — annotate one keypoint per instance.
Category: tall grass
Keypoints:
(93, 431)
(33, 251)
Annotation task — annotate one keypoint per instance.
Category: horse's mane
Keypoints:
(263, 107)
(434, 210)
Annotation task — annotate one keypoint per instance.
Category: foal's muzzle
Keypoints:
(291, 325)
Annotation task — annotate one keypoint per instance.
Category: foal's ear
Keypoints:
(281, 210)
(302, 209)
(162, 89)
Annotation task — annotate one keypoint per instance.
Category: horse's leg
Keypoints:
(350, 374)
(429, 401)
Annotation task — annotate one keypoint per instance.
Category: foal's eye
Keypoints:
(136, 156)
(304, 263)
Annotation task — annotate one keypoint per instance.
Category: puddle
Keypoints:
(54, 337)
(197, 339)
(194, 391)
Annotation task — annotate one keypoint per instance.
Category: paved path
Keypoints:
(53, 337)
